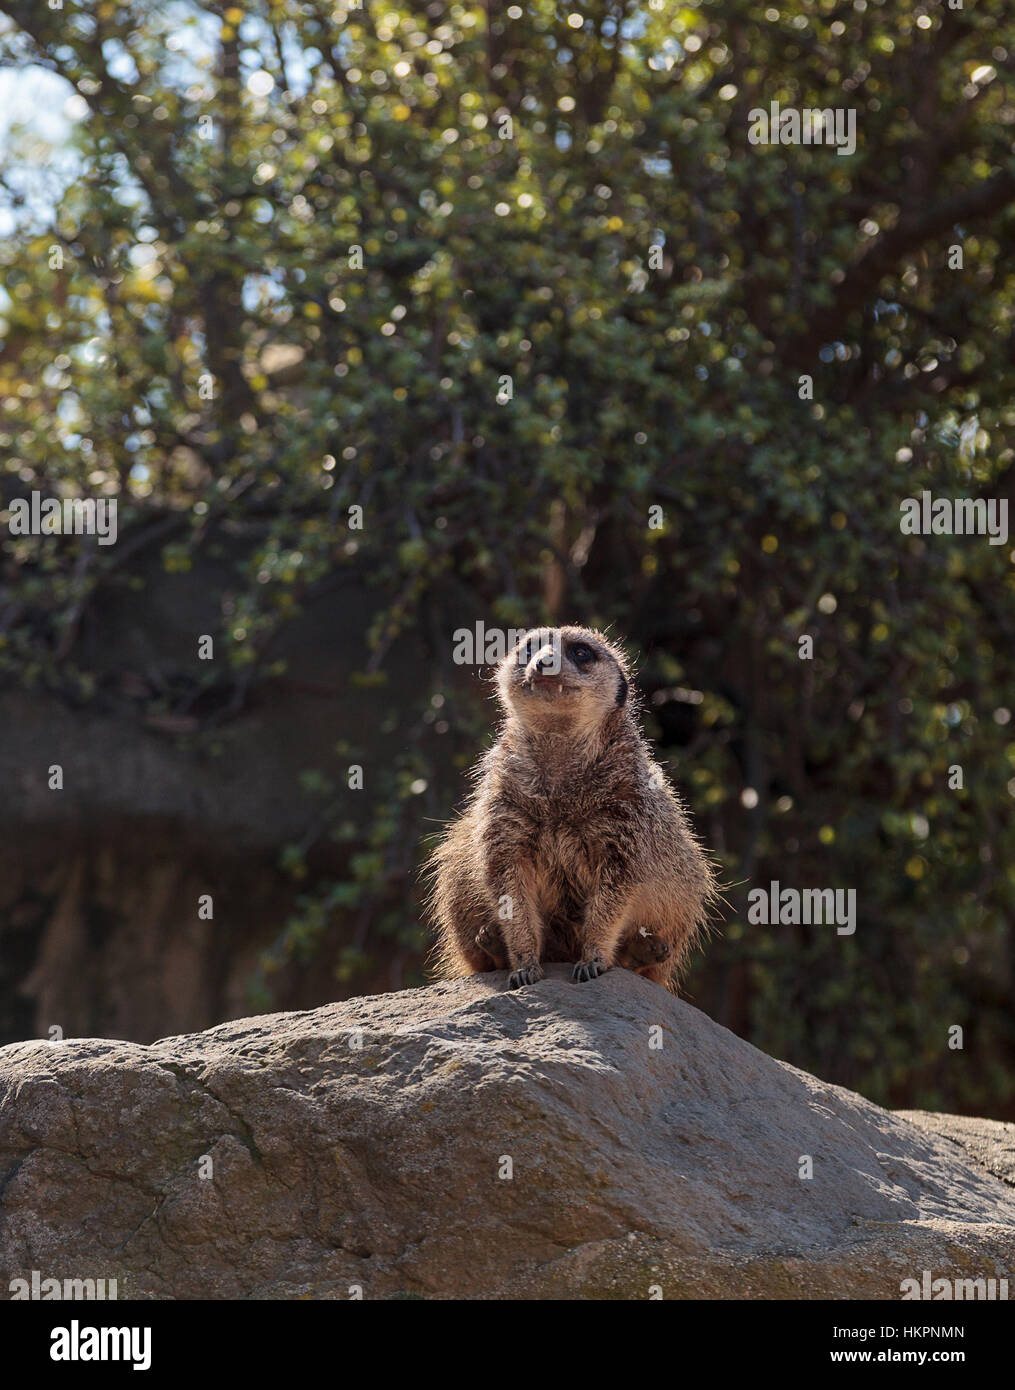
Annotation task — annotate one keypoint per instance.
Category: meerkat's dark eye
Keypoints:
(581, 654)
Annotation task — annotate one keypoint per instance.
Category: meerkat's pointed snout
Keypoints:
(544, 667)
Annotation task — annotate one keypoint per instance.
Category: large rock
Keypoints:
(368, 1144)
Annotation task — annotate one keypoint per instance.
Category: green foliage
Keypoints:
(638, 379)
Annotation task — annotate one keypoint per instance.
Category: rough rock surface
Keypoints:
(989, 1142)
(367, 1143)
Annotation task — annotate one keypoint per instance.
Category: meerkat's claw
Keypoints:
(527, 975)
(588, 970)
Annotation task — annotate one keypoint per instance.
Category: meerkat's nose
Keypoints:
(546, 661)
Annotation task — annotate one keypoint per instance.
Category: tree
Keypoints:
(514, 281)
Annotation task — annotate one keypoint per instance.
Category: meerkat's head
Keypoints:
(563, 676)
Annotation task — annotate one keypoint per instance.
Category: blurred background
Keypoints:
(511, 280)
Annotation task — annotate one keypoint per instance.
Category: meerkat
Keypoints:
(573, 846)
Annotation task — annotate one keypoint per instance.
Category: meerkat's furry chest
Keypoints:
(562, 854)
(563, 819)
(565, 842)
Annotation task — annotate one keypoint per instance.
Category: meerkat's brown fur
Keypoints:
(573, 845)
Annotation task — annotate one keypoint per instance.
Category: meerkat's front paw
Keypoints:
(589, 969)
(525, 975)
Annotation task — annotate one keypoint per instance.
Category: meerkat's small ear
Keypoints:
(622, 689)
